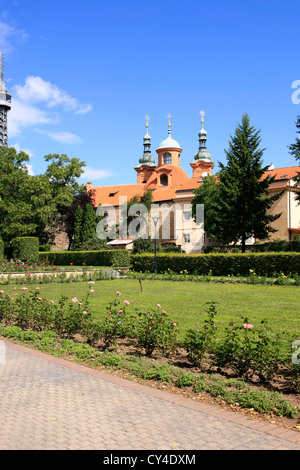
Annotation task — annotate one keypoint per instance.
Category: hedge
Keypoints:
(25, 248)
(219, 264)
(118, 258)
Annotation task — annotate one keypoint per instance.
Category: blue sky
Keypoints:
(84, 74)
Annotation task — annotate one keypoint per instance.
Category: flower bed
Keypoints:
(246, 350)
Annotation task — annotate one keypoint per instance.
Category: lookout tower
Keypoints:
(5, 105)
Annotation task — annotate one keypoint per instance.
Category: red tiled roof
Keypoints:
(110, 195)
(179, 180)
(284, 173)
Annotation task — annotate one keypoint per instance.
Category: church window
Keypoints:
(164, 180)
(167, 158)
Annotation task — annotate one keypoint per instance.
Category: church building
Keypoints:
(172, 192)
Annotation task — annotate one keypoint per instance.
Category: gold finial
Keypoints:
(147, 119)
(202, 113)
(169, 117)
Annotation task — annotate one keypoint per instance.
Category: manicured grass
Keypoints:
(185, 301)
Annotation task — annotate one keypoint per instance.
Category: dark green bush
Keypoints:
(46, 247)
(220, 264)
(1, 249)
(25, 248)
(118, 258)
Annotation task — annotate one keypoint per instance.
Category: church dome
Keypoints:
(202, 155)
(169, 143)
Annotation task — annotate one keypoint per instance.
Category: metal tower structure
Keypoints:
(5, 105)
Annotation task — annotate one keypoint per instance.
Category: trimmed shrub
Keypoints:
(25, 248)
(220, 264)
(118, 258)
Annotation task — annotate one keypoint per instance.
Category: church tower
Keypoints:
(5, 105)
(169, 150)
(202, 165)
(146, 164)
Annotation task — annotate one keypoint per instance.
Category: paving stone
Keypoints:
(51, 404)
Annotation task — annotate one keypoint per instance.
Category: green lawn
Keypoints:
(185, 301)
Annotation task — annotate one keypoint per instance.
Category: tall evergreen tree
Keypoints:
(295, 151)
(89, 223)
(77, 228)
(237, 208)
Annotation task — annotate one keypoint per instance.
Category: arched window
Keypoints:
(164, 180)
(167, 158)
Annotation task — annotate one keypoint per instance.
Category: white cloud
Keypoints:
(92, 174)
(38, 102)
(24, 115)
(9, 35)
(37, 90)
(61, 136)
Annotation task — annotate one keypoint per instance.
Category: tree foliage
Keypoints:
(236, 203)
(30, 204)
(89, 223)
(295, 151)
(77, 228)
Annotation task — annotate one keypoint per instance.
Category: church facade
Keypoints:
(172, 193)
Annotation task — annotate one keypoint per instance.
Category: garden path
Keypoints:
(48, 403)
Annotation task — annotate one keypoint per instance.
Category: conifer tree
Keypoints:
(77, 228)
(237, 209)
(295, 151)
(89, 223)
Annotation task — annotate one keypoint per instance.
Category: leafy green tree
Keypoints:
(26, 205)
(34, 205)
(295, 151)
(237, 206)
(63, 172)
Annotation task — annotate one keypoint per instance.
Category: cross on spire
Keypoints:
(147, 120)
(202, 113)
